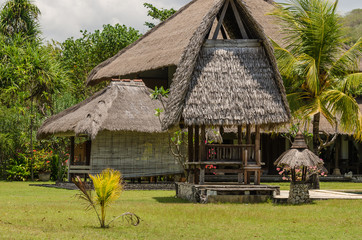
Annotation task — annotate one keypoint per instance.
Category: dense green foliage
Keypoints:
(30, 81)
(37, 81)
(157, 14)
(353, 24)
(80, 56)
(19, 16)
(320, 75)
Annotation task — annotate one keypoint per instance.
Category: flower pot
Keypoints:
(44, 176)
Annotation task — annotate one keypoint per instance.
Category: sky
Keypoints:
(61, 19)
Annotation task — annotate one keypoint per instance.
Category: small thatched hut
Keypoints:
(122, 131)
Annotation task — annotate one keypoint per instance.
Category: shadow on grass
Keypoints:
(170, 200)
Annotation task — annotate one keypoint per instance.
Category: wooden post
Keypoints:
(202, 144)
(240, 141)
(337, 147)
(248, 134)
(240, 134)
(256, 177)
(257, 145)
(71, 156)
(190, 140)
(197, 144)
(248, 141)
(202, 176)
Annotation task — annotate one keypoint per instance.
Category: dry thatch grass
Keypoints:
(165, 44)
(233, 86)
(122, 106)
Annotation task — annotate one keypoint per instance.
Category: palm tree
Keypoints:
(320, 73)
(19, 16)
(108, 188)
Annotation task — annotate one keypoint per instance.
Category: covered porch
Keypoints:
(208, 161)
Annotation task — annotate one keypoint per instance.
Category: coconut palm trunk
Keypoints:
(316, 120)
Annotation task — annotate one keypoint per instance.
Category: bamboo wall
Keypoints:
(135, 154)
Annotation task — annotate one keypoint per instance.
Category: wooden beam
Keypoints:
(233, 43)
(221, 19)
(190, 139)
(223, 32)
(238, 20)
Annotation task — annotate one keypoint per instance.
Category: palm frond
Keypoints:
(286, 60)
(352, 83)
(311, 73)
(345, 107)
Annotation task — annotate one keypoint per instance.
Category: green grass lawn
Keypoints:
(45, 213)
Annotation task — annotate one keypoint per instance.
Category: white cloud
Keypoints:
(61, 19)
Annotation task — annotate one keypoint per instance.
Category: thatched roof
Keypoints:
(299, 155)
(165, 44)
(122, 106)
(228, 84)
(233, 86)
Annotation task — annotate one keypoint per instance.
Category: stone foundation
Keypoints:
(188, 192)
(226, 193)
(299, 193)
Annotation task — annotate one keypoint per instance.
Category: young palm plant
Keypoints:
(108, 188)
(320, 72)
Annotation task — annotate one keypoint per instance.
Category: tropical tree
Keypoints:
(80, 56)
(19, 16)
(320, 74)
(30, 79)
(157, 14)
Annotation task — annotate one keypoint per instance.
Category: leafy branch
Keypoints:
(177, 142)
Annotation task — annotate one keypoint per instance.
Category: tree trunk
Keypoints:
(316, 119)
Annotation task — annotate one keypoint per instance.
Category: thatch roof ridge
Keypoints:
(182, 76)
(109, 60)
(92, 79)
(108, 109)
(164, 45)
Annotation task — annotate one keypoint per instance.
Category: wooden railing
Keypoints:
(230, 152)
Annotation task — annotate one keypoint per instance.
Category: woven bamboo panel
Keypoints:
(135, 154)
